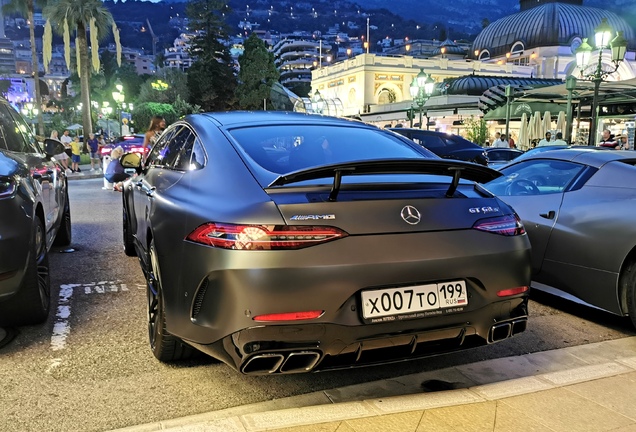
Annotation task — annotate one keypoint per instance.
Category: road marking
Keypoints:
(62, 326)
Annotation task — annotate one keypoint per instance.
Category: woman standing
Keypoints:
(62, 157)
(157, 125)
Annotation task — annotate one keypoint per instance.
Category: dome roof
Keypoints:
(552, 24)
(450, 48)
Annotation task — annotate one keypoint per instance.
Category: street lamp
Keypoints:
(421, 89)
(107, 111)
(317, 103)
(159, 85)
(597, 74)
(570, 86)
(119, 97)
(29, 110)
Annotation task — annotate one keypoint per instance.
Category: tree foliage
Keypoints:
(211, 78)
(79, 16)
(476, 130)
(144, 112)
(257, 73)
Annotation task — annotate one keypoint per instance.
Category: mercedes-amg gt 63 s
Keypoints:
(287, 243)
(34, 215)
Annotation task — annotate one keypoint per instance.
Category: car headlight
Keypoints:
(8, 186)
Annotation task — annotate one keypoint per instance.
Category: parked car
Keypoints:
(445, 145)
(498, 156)
(130, 144)
(578, 207)
(286, 243)
(34, 215)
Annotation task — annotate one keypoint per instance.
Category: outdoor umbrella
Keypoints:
(523, 132)
(560, 125)
(538, 130)
(547, 122)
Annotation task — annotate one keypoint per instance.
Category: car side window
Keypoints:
(536, 177)
(33, 145)
(430, 142)
(10, 136)
(156, 155)
(198, 159)
(178, 151)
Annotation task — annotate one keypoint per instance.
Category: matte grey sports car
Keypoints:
(34, 214)
(578, 206)
(285, 243)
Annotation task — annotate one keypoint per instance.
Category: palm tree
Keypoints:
(80, 15)
(25, 8)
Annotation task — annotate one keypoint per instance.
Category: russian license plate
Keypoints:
(413, 299)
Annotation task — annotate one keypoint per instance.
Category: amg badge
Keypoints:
(312, 217)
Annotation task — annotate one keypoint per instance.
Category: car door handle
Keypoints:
(549, 215)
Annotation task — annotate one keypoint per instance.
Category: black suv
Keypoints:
(445, 145)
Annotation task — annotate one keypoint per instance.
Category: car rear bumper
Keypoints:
(288, 349)
(212, 295)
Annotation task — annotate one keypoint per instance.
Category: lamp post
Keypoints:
(597, 74)
(119, 97)
(29, 110)
(570, 86)
(107, 111)
(421, 89)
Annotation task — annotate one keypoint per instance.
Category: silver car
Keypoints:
(578, 206)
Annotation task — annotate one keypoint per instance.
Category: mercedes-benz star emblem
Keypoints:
(411, 215)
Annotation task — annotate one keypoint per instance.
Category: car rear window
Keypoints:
(286, 148)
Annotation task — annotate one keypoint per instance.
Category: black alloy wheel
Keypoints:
(164, 346)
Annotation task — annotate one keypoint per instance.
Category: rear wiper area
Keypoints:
(455, 169)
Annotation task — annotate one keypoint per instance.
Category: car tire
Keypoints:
(32, 302)
(64, 235)
(629, 277)
(164, 346)
(129, 241)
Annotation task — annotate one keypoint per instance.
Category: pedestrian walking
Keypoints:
(93, 148)
(546, 141)
(559, 140)
(76, 151)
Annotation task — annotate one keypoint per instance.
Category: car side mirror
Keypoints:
(53, 147)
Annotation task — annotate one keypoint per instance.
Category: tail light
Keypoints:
(8, 186)
(512, 291)
(263, 237)
(289, 316)
(508, 225)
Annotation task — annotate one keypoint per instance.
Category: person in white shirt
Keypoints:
(546, 141)
(498, 142)
(559, 140)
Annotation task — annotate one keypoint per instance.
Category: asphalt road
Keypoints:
(89, 368)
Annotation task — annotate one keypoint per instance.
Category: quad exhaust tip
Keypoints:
(504, 330)
(287, 363)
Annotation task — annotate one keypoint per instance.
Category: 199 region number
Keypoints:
(411, 299)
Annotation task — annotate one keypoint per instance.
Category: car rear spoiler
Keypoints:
(455, 169)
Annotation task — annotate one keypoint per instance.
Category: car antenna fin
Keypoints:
(337, 181)
(456, 176)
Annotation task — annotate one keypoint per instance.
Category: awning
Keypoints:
(518, 108)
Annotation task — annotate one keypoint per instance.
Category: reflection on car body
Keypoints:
(577, 206)
(287, 243)
(34, 214)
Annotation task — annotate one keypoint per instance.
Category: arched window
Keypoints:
(517, 48)
(484, 55)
